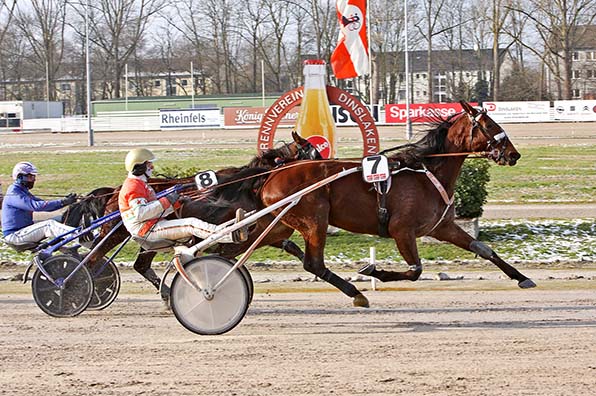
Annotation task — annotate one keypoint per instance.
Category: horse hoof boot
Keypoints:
(367, 269)
(360, 301)
(527, 284)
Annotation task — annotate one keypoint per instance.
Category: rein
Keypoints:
(480, 154)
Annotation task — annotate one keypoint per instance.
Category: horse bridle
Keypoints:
(307, 151)
(492, 141)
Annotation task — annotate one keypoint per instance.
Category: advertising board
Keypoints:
(575, 110)
(188, 118)
(504, 112)
(251, 117)
(420, 112)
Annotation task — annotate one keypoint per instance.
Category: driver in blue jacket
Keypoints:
(18, 207)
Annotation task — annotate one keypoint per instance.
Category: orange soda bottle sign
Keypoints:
(322, 144)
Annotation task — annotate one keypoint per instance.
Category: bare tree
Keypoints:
(429, 26)
(387, 27)
(558, 26)
(117, 29)
(274, 49)
(7, 9)
(42, 23)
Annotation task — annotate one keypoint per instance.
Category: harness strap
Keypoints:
(382, 212)
(438, 186)
(448, 201)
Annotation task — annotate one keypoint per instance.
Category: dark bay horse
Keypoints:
(420, 201)
(216, 206)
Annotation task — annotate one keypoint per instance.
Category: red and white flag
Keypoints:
(350, 58)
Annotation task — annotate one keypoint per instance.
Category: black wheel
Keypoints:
(248, 278)
(106, 284)
(209, 311)
(62, 299)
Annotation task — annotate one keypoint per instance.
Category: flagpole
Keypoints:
(370, 70)
(407, 71)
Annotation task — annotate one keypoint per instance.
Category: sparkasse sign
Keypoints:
(189, 118)
(420, 112)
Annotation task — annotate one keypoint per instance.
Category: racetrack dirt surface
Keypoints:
(465, 337)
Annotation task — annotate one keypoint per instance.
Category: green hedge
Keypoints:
(470, 190)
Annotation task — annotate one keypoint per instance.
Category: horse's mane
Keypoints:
(90, 206)
(267, 158)
(238, 182)
(235, 189)
(433, 142)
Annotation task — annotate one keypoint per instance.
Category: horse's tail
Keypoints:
(89, 208)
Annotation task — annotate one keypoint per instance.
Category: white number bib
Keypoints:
(205, 180)
(375, 168)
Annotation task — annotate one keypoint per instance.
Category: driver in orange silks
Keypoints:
(143, 214)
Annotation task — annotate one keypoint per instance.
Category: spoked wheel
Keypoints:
(62, 299)
(106, 285)
(207, 311)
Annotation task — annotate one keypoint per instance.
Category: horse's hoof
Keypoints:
(527, 284)
(367, 269)
(360, 301)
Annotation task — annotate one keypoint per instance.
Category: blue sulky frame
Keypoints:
(69, 267)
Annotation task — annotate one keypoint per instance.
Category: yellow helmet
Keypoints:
(136, 157)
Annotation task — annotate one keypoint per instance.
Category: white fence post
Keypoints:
(373, 259)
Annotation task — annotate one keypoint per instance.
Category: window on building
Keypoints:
(575, 93)
(467, 74)
(423, 75)
(591, 55)
(590, 73)
(417, 76)
(401, 77)
(575, 55)
(65, 87)
(157, 83)
(184, 83)
(575, 74)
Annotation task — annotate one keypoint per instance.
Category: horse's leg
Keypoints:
(451, 232)
(289, 247)
(406, 244)
(313, 262)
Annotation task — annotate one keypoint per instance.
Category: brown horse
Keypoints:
(419, 203)
(217, 206)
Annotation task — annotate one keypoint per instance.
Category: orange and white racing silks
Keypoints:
(139, 206)
(144, 215)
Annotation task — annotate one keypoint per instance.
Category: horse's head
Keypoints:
(305, 150)
(299, 149)
(491, 137)
(89, 208)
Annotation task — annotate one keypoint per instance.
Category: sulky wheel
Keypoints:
(59, 298)
(208, 311)
(106, 281)
(247, 277)
(249, 283)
